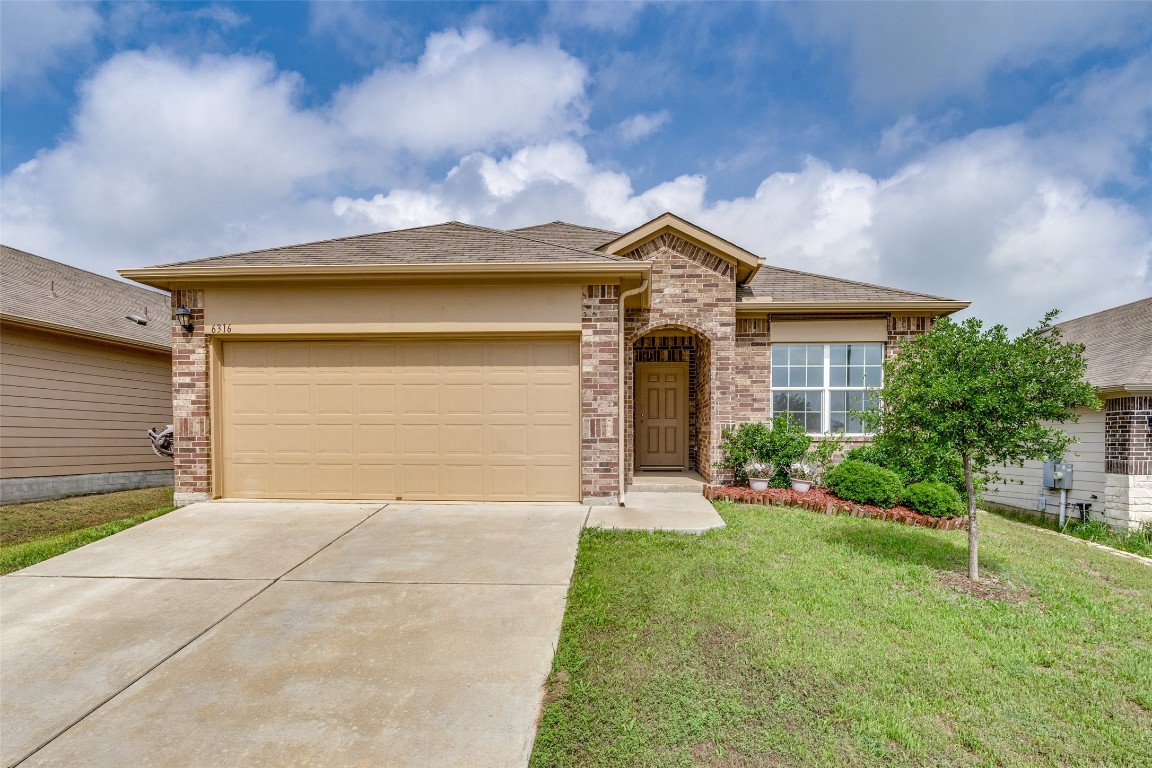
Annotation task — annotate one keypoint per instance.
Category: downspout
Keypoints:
(620, 394)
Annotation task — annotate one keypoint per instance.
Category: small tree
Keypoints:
(986, 396)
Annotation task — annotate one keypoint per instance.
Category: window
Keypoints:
(824, 386)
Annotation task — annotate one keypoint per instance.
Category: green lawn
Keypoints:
(795, 639)
(33, 532)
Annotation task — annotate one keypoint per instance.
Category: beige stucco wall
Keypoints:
(828, 331)
(1023, 486)
(392, 309)
(71, 406)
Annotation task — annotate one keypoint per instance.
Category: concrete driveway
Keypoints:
(289, 634)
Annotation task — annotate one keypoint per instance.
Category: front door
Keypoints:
(661, 415)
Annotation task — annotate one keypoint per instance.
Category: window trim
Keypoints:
(827, 389)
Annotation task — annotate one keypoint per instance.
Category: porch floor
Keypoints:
(666, 481)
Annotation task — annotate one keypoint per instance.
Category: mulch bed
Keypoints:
(822, 501)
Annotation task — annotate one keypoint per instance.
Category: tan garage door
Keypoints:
(423, 420)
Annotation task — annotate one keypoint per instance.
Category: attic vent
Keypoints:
(52, 288)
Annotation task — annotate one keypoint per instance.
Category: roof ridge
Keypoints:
(511, 233)
(570, 224)
(316, 242)
(854, 282)
(1102, 311)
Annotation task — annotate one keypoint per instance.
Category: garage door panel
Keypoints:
(377, 399)
(509, 481)
(335, 398)
(290, 439)
(290, 399)
(419, 400)
(449, 419)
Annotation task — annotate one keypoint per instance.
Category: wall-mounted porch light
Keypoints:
(184, 317)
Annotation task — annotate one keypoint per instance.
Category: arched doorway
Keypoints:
(670, 401)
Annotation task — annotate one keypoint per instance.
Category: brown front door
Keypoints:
(661, 415)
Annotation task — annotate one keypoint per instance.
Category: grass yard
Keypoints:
(794, 639)
(33, 532)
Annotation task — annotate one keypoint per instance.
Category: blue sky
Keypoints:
(998, 152)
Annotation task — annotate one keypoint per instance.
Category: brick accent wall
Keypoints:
(1128, 435)
(692, 290)
(600, 417)
(902, 328)
(192, 441)
(752, 388)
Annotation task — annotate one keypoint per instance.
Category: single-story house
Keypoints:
(548, 363)
(80, 382)
(1112, 460)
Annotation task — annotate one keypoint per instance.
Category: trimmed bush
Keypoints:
(914, 463)
(780, 444)
(933, 498)
(864, 483)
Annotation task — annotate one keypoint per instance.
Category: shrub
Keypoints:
(914, 463)
(864, 483)
(934, 498)
(781, 445)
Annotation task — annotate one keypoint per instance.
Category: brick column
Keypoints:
(1128, 461)
(599, 393)
(191, 445)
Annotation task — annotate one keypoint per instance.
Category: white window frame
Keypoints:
(826, 390)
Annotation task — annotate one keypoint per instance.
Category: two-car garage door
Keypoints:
(422, 420)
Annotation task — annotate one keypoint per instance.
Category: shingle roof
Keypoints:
(44, 291)
(451, 243)
(563, 233)
(1118, 344)
(781, 284)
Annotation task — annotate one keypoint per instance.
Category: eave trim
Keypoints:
(67, 330)
(165, 277)
(761, 307)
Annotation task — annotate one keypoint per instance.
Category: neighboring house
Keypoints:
(548, 363)
(1112, 460)
(80, 383)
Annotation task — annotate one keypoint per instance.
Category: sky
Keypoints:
(994, 152)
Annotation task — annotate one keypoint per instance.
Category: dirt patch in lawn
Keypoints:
(988, 588)
(555, 687)
(25, 522)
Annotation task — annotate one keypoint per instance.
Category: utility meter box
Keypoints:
(1057, 475)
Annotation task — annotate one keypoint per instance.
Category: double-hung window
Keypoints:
(826, 386)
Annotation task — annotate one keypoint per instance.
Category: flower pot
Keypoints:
(758, 483)
(801, 486)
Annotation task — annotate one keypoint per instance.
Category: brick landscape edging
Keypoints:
(745, 496)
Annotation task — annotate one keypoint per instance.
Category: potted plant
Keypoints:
(764, 450)
(802, 476)
(759, 474)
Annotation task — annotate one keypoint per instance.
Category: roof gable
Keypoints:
(47, 294)
(747, 263)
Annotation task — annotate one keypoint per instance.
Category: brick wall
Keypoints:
(191, 444)
(1128, 435)
(599, 361)
(692, 290)
(903, 328)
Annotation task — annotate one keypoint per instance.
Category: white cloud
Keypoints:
(906, 53)
(468, 91)
(601, 16)
(164, 152)
(641, 126)
(36, 37)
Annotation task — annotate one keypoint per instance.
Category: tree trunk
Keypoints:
(973, 534)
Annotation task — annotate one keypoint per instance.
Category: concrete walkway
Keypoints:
(310, 634)
(658, 511)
